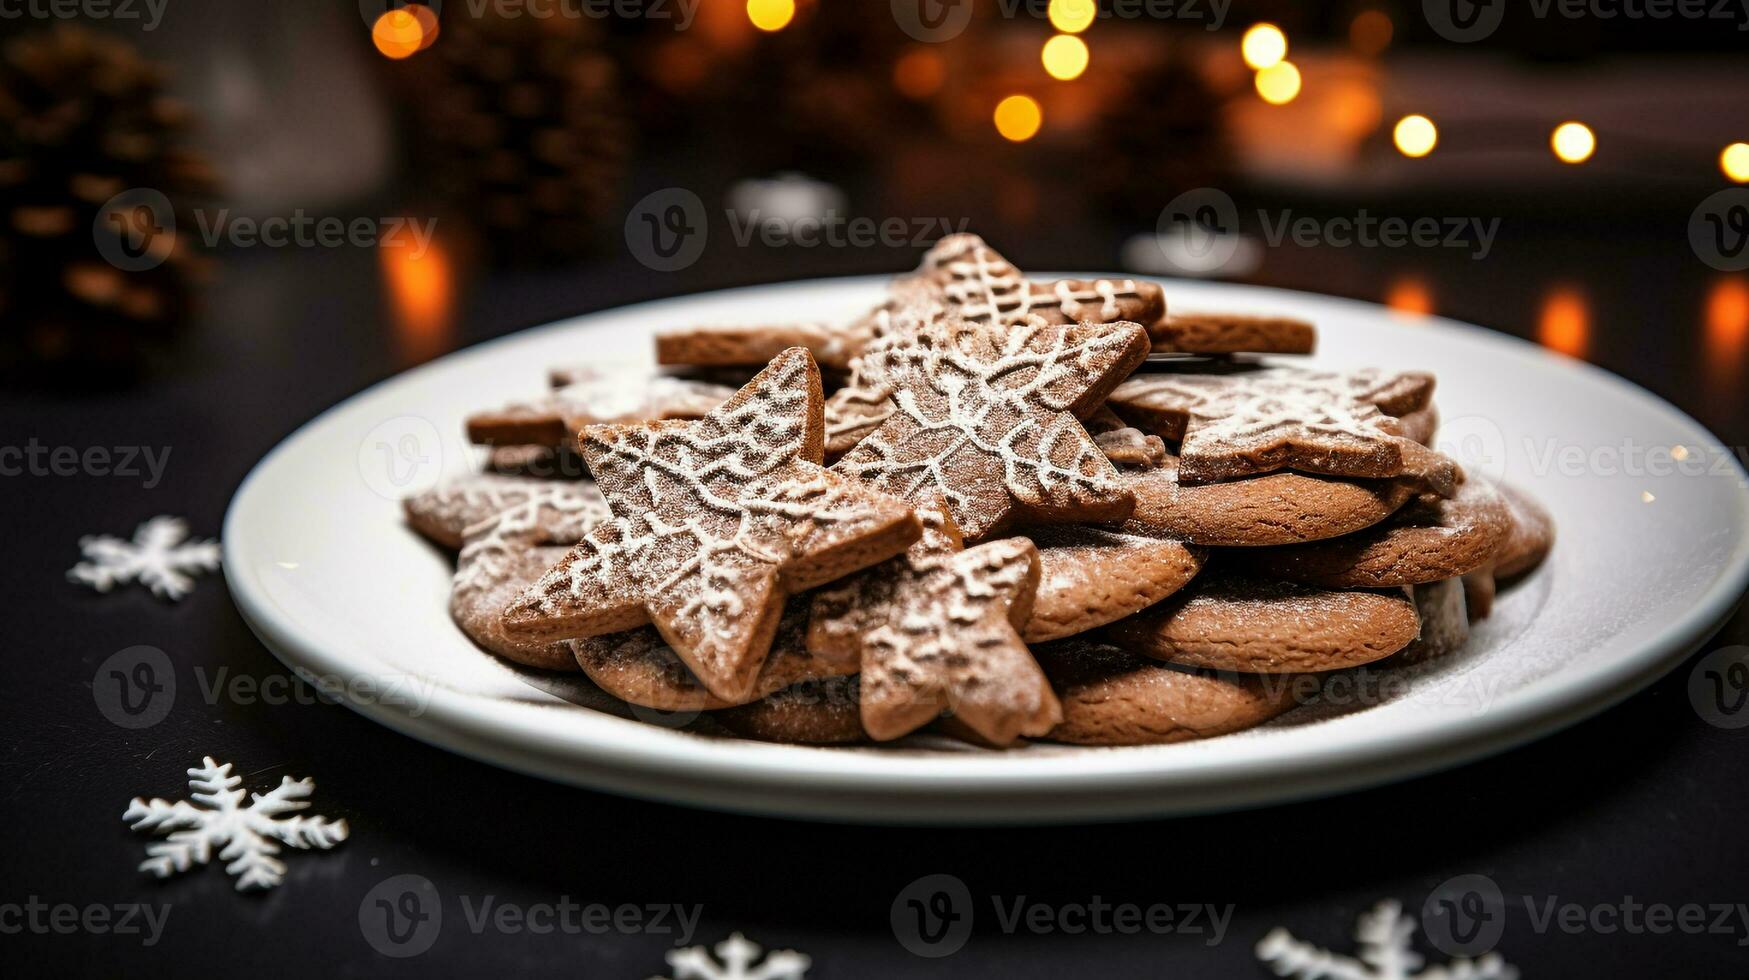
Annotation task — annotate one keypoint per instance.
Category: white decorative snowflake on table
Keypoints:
(159, 557)
(734, 961)
(248, 833)
(1385, 954)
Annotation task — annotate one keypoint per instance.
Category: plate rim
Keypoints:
(802, 781)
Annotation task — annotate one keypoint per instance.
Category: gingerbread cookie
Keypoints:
(1272, 509)
(610, 398)
(715, 523)
(446, 512)
(1445, 622)
(1429, 540)
(505, 555)
(1112, 697)
(1239, 421)
(538, 462)
(1092, 576)
(638, 667)
(1233, 333)
(937, 629)
(1225, 621)
(817, 712)
(1531, 538)
(987, 419)
(729, 344)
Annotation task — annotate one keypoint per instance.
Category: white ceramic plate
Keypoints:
(1652, 556)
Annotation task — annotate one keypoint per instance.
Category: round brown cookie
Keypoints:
(639, 667)
(1233, 333)
(1092, 576)
(1421, 425)
(1445, 622)
(827, 711)
(1273, 509)
(1530, 540)
(446, 512)
(1259, 626)
(487, 577)
(1113, 697)
(1429, 540)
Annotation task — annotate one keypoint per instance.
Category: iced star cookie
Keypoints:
(611, 397)
(988, 420)
(1225, 621)
(1091, 576)
(1429, 540)
(1237, 421)
(1112, 697)
(1233, 333)
(938, 629)
(715, 523)
(1273, 509)
(816, 712)
(446, 512)
(508, 552)
(638, 667)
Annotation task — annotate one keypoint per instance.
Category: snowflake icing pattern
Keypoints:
(160, 557)
(735, 961)
(250, 835)
(1385, 954)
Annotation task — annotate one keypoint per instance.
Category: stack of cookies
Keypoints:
(993, 507)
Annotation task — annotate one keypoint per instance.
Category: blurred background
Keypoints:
(199, 193)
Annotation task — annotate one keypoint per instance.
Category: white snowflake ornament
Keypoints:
(250, 835)
(160, 557)
(735, 961)
(1385, 954)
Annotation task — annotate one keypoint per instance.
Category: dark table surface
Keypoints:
(1643, 804)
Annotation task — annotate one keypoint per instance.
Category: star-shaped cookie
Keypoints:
(1242, 421)
(627, 394)
(938, 629)
(715, 523)
(986, 417)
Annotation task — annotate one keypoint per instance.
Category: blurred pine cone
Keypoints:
(84, 119)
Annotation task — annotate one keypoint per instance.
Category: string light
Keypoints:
(1072, 16)
(1415, 136)
(1573, 142)
(1065, 57)
(1279, 83)
(1018, 118)
(771, 15)
(1411, 296)
(1734, 161)
(1263, 45)
(1565, 323)
(397, 33)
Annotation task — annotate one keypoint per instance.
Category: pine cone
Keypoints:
(521, 130)
(83, 119)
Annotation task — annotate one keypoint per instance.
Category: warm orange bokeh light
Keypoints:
(919, 74)
(1565, 322)
(1410, 296)
(398, 33)
(1018, 118)
(421, 293)
(1370, 32)
(1065, 57)
(771, 15)
(1727, 320)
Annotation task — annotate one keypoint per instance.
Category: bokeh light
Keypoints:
(1573, 142)
(1411, 296)
(1565, 322)
(1018, 118)
(919, 73)
(1073, 16)
(1279, 83)
(1415, 136)
(771, 15)
(1734, 161)
(1370, 32)
(398, 33)
(1065, 57)
(1263, 45)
